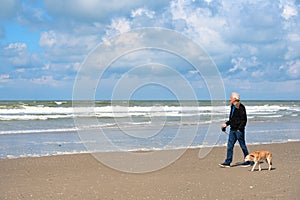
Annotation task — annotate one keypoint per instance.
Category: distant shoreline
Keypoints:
(147, 150)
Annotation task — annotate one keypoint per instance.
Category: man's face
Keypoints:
(232, 100)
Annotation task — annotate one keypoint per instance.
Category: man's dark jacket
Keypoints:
(237, 119)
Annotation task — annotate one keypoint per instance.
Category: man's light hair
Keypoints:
(235, 96)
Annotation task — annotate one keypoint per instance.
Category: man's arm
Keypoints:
(243, 119)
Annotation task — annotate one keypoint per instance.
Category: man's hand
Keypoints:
(224, 127)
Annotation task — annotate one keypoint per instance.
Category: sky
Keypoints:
(45, 45)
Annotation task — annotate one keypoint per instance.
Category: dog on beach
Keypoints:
(258, 156)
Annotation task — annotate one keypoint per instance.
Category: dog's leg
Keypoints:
(253, 166)
(270, 163)
(259, 168)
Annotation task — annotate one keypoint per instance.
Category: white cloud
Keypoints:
(208, 1)
(204, 24)
(252, 22)
(293, 52)
(118, 26)
(142, 11)
(144, 17)
(4, 78)
(294, 69)
(48, 39)
(17, 54)
(46, 80)
(60, 47)
(97, 10)
(289, 11)
(294, 37)
(177, 10)
(257, 74)
(46, 67)
(20, 70)
(235, 67)
(76, 66)
(243, 64)
(292, 46)
(16, 46)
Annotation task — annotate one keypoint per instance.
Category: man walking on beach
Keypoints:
(237, 122)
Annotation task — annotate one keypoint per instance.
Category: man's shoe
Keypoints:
(246, 164)
(224, 165)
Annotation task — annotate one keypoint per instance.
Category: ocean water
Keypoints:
(42, 128)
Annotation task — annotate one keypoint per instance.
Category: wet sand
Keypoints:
(81, 176)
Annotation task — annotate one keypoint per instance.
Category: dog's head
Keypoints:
(249, 157)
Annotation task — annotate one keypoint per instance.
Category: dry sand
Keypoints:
(83, 177)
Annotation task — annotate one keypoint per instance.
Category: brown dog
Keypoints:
(258, 156)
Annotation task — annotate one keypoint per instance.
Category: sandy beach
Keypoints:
(81, 176)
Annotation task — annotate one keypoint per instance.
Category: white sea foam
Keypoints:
(38, 131)
(41, 112)
(48, 154)
(60, 102)
(33, 117)
(44, 112)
